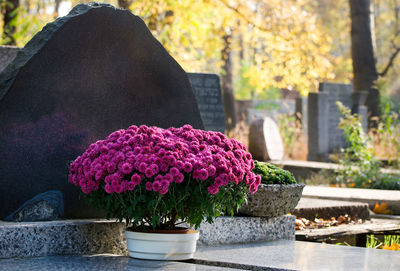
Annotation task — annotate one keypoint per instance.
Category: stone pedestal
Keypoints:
(86, 237)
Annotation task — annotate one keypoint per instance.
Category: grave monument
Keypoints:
(94, 71)
(324, 136)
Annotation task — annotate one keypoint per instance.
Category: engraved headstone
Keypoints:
(265, 142)
(94, 71)
(207, 91)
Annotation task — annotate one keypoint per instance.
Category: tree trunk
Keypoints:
(9, 13)
(227, 83)
(362, 52)
(125, 3)
(57, 8)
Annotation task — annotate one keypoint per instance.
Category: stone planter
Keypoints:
(272, 200)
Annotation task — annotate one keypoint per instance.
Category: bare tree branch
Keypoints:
(390, 62)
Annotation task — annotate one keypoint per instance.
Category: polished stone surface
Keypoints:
(97, 70)
(98, 263)
(295, 255)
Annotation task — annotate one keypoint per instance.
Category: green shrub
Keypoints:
(271, 174)
(359, 168)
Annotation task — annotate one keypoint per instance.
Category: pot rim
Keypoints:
(177, 230)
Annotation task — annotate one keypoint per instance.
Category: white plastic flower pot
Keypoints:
(162, 246)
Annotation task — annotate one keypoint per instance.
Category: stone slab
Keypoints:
(374, 226)
(64, 237)
(80, 237)
(98, 262)
(242, 229)
(311, 208)
(66, 89)
(297, 255)
(370, 196)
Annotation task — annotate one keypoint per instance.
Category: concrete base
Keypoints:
(84, 237)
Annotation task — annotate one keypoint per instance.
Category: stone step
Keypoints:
(312, 208)
(370, 196)
(84, 237)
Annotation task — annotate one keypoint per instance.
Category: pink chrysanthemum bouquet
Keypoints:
(156, 177)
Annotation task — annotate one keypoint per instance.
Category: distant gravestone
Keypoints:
(324, 136)
(207, 90)
(97, 70)
(265, 142)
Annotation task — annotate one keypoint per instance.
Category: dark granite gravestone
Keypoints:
(207, 90)
(95, 71)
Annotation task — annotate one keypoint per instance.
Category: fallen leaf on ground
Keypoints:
(382, 209)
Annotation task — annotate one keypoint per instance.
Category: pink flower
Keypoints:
(179, 178)
(149, 186)
(203, 174)
(174, 171)
(169, 177)
(126, 168)
(149, 173)
(156, 185)
(131, 186)
(187, 167)
(136, 179)
(213, 189)
(142, 167)
(108, 189)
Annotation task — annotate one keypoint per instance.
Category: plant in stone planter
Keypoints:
(277, 195)
(156, 179)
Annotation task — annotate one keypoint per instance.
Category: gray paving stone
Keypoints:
(296, 255)
(98, 263)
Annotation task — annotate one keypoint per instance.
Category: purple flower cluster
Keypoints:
(156, 157)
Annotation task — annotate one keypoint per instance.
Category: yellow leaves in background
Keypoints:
(290, 44)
